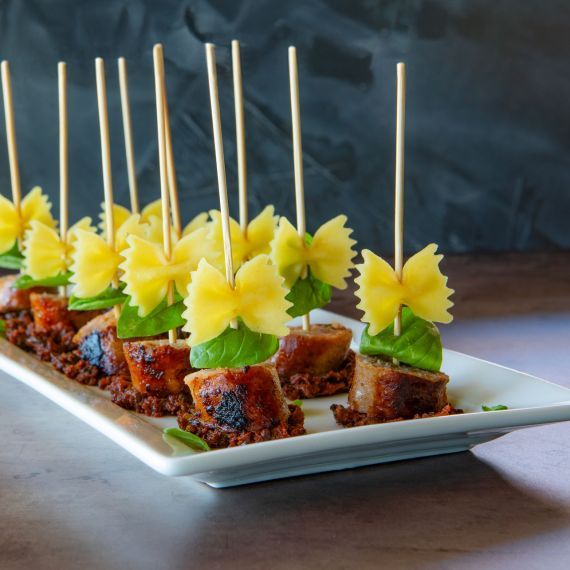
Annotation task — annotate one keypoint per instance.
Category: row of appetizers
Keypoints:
(193, 322)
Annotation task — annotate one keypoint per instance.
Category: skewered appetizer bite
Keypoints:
(397, 373)
(313, 360)
(398, 376)
(237, 396)
(155, 276)
(234, 323)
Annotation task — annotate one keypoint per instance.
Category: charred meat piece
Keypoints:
(12, 299)
(384, 391)
(314, 363)
(238, 399)
(50, 310)
(158, 367)
(239, 405)
(99, 345)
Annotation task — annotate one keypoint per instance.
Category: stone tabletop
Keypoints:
(70, 498)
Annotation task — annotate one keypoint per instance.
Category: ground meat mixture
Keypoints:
(75, 367)
(351, 418)
(21, 331)
(216, 437)
(301, 386)
(17, 327)
(55, 346)
(124, 394)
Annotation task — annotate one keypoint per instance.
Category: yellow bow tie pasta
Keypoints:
(258, 299)
(423, 289)
(95, 263)
(35, 206)
(328, 254)
(147, 272)
(45, 254)
(197, 222)
(257, 239)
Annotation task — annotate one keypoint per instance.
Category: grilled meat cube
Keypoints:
(158, 367)
(314, 363)
(50, 310)
(12, 299)
(385, 391)
(238, 399)
(321, 349)
(99, 345)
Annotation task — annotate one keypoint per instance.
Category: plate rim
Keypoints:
(191, 463)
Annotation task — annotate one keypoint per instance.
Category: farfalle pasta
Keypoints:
(35, 206)
(257, 239)
(147, 272)
(328, 255)
(423, 288)
(46, 255)
(258, 299)
(95, 263)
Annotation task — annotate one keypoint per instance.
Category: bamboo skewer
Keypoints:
(128, 132)
(220, 165)
(106, 161)
(63, 159)
(298, 159)
(161, 127)
(170, 168)
(399, 185)
(240, 136)
(11, 139)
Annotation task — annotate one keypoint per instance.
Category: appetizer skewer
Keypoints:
(313, 360)
(237, 396)
(158, 366)
(397, 375)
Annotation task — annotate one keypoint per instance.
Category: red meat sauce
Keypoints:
(217, 437)
(306, 385)
(351, 418)
(56, 346)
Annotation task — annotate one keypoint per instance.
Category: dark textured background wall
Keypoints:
(488, 141)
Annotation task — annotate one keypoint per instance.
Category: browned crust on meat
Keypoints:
(12, 299)
(50, 310)
(217, 438)
(314, 352)
(124, 394)
(238, 399)
(303, 386)
(384, 390)
(351, 418)
(157, 366)
(99, 345)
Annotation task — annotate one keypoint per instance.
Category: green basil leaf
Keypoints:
(13, 258)
(162, 319)
(308, 294)
(105, 300)
(2, 327)
(496, 408)
(190, 439)
(234, 348)
(419, 344)
(298, 403)
(27, 282)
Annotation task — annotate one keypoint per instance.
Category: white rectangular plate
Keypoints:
(326, 447)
